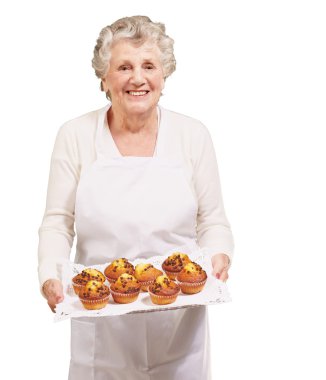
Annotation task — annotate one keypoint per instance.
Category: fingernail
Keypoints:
(218, 276)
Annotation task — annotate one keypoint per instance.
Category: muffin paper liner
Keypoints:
(94, 301)
(184, 285)
(171, 298)
(214, 291)
(98, 300)
(125, 295)
(77, 287)
(145, 284)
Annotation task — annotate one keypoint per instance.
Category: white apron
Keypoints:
(136, 207)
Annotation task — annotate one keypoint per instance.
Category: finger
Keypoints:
(56, 298)
(53, 301)
(220, 260)
(53, 289)
(52, 307)
(219, 267)
(224, 275)
(54, 293)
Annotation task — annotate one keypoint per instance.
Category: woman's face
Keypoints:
(135, 78)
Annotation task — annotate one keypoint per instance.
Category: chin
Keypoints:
(140, 109)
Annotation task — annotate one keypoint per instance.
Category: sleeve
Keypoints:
(56, 233)
(213, 229)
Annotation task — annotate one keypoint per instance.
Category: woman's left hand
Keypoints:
(221, 264)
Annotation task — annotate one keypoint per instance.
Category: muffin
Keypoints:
(88, 274)
(146, 274)
(192, 278)
(116, 268)
(125, 289)
(163, 291)
(94, 295)
(174, 263)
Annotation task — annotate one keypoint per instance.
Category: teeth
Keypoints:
(137, 93)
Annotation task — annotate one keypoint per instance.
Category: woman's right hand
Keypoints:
(53, 291)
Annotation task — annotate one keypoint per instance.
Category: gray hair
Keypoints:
(137, 29)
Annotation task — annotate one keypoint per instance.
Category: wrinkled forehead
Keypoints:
(127, 47)
(145, 43)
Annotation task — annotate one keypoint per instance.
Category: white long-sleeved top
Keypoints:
(74, 151)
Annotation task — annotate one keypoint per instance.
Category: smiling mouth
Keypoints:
(137, 93)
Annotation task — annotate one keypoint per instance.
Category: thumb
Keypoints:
(53, 291)
(220, 263)
(222, 275)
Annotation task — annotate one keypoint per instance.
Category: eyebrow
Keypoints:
(126, 60)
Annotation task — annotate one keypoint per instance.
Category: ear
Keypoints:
(163, 83)
(104, 85)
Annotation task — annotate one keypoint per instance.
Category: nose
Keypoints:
(137, 77)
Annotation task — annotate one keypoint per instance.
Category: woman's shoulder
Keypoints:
(185, 126)
(78, 135)
(85, 123)
(180, 119)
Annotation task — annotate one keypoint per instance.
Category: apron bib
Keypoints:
(136, 207)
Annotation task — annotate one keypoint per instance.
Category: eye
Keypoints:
(124, 68)
(149, 66)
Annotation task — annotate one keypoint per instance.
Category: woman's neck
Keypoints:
(122, 123)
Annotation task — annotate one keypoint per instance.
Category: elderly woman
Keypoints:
(136, 180)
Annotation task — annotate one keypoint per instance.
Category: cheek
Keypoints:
(115, 83)
(159, 83)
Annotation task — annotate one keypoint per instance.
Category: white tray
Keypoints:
(214, 292)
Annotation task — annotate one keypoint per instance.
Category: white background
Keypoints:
(254, 73)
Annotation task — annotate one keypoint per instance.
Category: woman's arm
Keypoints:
(56, 233)
(213, 229)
